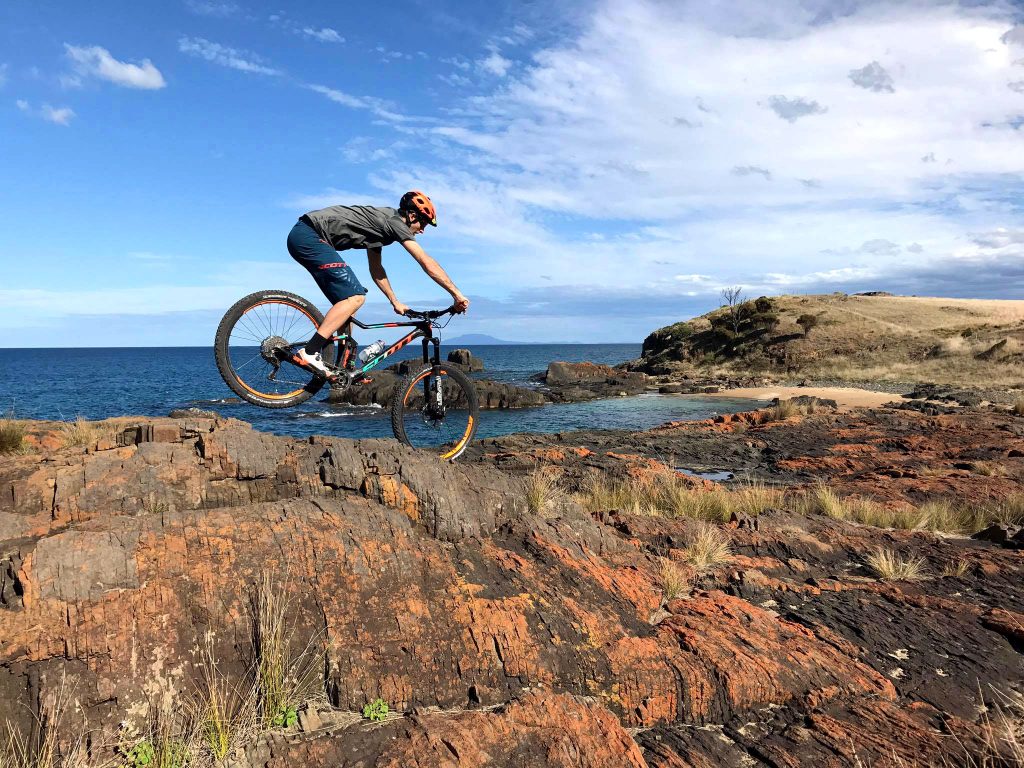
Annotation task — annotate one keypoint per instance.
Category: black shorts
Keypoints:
(334, 276)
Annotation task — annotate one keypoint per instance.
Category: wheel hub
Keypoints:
(271, 348)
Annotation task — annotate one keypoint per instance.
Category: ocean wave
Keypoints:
(354, 410)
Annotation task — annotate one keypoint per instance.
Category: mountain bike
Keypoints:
(434, 406)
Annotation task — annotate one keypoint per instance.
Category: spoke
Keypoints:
(259, 315)
(257, 356)
(288, 330)
(240, 335)
(248, 324)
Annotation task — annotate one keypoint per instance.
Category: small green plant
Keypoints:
(12, 433)
(140, 754)
(376, 710)
(286, 717)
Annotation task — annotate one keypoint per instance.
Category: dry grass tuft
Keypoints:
(988, 469)
(669, 495)
(709, 547)
(956, 568)
(784, 409)
(228, 714)
(79, 433)
(542, 490)
(675, 582)
(890, 566)
(1018, 407)
(12, 433)
(42, 750)
(285, 677)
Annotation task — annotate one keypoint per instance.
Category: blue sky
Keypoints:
(600, 168)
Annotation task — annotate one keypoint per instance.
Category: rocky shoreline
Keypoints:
(559, 626)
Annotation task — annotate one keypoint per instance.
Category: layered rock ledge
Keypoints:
(503, 636)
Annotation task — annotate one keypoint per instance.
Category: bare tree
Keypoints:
(733, 297)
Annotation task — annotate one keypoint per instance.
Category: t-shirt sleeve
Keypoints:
(401, 230)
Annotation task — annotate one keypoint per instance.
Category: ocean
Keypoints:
(100, 383)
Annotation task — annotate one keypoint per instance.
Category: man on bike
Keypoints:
(318, 235)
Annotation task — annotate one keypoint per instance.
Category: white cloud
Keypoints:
(651, 127)
(94, 61)
(495, 64)
(212, 8)
(379, 107)
(243, 61)
(324, 34)
(57, 115)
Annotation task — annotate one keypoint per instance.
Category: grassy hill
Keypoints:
(856, 338)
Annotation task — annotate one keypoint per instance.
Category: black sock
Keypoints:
(315, 344)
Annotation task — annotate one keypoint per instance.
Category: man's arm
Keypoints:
(436, 273)
(380, 277)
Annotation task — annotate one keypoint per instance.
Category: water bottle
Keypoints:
(371, 351)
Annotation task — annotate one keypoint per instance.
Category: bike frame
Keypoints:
(421, 329)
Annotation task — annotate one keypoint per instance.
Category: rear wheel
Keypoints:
(254, 342)
(439, 412)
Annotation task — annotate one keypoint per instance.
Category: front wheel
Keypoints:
(438, 411)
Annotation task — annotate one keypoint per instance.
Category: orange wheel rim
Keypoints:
(469, 425)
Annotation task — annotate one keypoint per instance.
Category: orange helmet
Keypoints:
(420, 204)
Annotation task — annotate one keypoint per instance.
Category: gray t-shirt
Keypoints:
(359, 226)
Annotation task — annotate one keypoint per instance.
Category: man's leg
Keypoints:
(339, 314)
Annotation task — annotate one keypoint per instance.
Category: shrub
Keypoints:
(1018, 407)
(890, 566)
(764, 304)
(12, 433)
(708, 548)
(807, 322)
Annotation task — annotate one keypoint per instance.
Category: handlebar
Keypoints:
(432, 314)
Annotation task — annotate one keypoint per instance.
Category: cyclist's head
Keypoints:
(418, 205)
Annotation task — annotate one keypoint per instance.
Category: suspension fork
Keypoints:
(435, 375)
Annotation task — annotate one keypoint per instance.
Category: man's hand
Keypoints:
(461, 304)
(400, 308)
